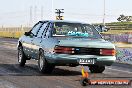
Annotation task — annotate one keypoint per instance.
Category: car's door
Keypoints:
(27, 43)
(48, 41)
(36, 43)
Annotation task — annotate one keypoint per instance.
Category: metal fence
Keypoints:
(13, 32)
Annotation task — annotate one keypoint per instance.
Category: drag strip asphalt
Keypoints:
(13, 76)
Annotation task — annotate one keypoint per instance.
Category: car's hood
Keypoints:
(82, 42)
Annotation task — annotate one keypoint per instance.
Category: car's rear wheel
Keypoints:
(21, 56)
(43, 65)
(96, 69)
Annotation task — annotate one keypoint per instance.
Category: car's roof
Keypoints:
(63, 21)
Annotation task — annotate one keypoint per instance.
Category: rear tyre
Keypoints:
(21, 57)
(43, 65)
(97, 69)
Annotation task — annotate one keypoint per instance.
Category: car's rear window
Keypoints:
(74, 29)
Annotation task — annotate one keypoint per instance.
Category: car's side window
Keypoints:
(36, 28)
(46, 29)
(41, 31)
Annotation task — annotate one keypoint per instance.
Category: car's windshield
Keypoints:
(75, 30)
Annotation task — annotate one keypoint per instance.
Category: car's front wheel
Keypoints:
(43, 65)
(21, 56)
(96, 69)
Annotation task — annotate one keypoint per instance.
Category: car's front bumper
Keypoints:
(65, 59)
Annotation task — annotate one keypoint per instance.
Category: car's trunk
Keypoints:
(85, 43)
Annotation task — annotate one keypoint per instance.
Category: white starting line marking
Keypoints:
(119, 70)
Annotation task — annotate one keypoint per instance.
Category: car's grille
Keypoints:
(86, 51)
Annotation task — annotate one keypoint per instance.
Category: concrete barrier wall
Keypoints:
(124, 55)
(126, 38)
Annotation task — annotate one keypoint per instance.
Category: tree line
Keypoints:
(123, 18)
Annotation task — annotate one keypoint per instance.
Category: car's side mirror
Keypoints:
(27, 33)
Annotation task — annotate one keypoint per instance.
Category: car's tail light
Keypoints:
(63, 50)
(108, 52)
